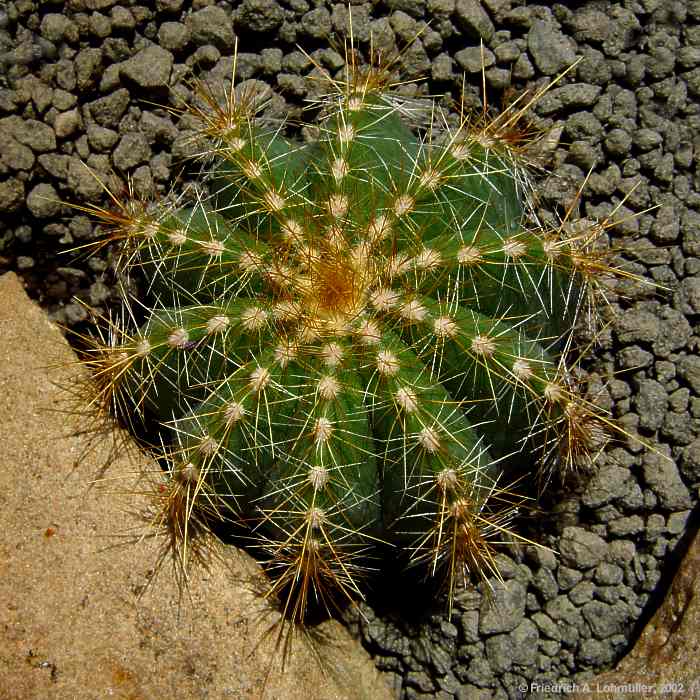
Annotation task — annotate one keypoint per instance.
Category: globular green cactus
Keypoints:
(357, 339)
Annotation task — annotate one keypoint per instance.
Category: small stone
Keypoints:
(591, 24)
(110, 79)
(551, 51)
(88, 68)
(636, 326)
(317, 23)
(205, 56)
(605, 620)
(11, 194)
(173, 36)
(23, 234)
(63, 100)
(36, 135)
(99, 293)
(677, 428)
(42, 201)
(525, 638)
(442, 67)
(523, 68)
(469, 622)
(41, 93)
(546, 625)
(75, 313)
(689, 371)
(549, 647)
(499, 652)
(65, 75)
(260, 16)
(480, 672)
(692, 79)
(292, 84)
(248, 65)
(420, 680)
(569, 96)
(13, 154)
(58, 27)
(656, 525)
(581, 593)
(170, 6)
(563, 611)
(108, 110)
(621, 552)
(650, 402)
(99, 25)
(447, 629)
(634, 357)
(504, 609)
(674, 332)
(160, 167)
(624, 27)
(617, 142)
(666, 225)
(54, 164)
(661, 475)
(133, 149)
(539, 556)
(607, 574)
(472, 19)
(142, 180)
(100, 138)
(646, 139)
(690, 461)
(24, 262)
(678, 400)
(415, 61)
(404, 26)
(676, 523)
(609, 483)
(623, 527)
(507, 52)
(81, 182)
(149, 68)
(122, 19)
(690, 295)
(580, 548)
(583, 126)
(157, 129)
(271, 61)
(67, 123)
(412, 7)
(544, 582)
(594, 652)
(473, 59)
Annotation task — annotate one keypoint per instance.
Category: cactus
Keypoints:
(359, 339)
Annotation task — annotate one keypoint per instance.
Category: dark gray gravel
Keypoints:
(75, 78)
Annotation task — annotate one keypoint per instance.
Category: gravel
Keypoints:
(75, 88)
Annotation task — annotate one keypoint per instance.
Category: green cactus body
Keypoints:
(348, 342)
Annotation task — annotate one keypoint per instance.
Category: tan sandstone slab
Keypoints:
(74, 619)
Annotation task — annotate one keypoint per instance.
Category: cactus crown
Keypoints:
(355, 339)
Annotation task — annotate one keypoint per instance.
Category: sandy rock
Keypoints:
(78, 618)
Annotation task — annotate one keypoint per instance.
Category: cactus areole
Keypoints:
(356, 339)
